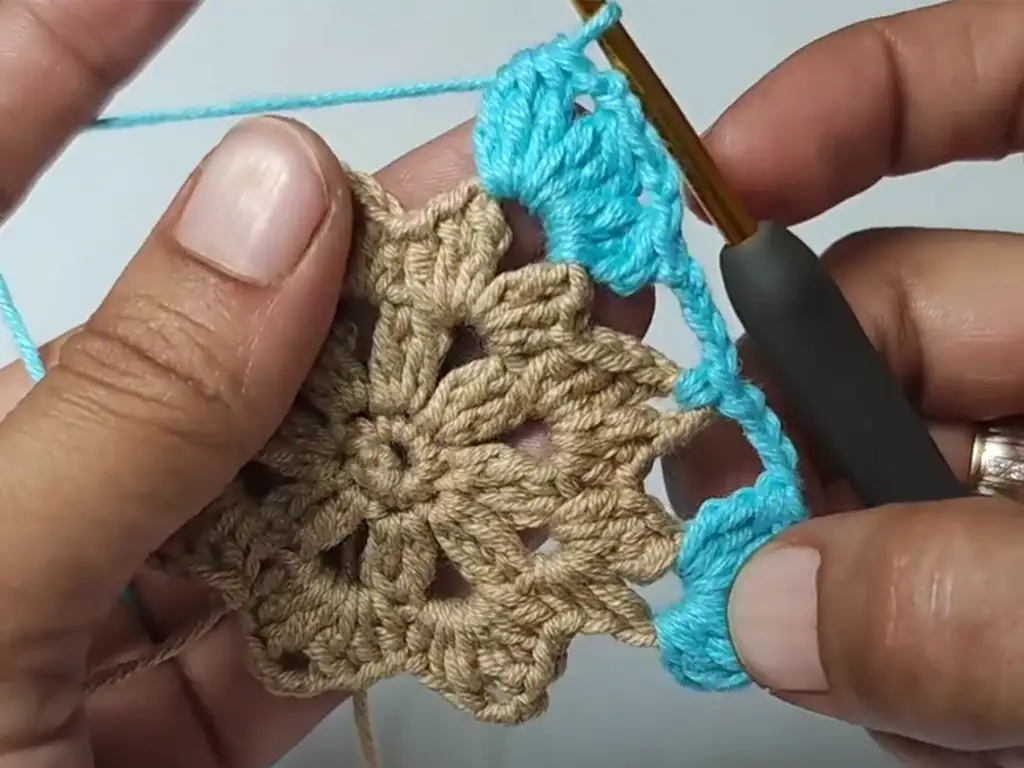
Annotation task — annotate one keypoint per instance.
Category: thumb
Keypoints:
(181, 375)
(902, 619)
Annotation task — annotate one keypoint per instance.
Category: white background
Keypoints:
(65, 247)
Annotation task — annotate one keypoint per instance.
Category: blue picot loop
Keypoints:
(694, 635)
(609, 197)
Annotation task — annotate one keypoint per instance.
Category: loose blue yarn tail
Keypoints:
(608, 195)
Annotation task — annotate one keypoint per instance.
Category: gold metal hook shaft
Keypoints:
(719, 202)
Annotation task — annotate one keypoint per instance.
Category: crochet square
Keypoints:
(394, 468)
(394, 475)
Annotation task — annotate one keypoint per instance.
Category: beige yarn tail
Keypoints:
(177, 643)
(157, 654)
(367, 744)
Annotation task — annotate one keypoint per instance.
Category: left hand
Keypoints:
(154, 404)
(89, 457)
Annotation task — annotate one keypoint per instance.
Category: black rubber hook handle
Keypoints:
(808, 336)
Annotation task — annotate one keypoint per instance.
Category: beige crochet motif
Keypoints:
(395, 475)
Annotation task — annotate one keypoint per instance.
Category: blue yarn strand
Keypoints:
(12, 318)
(587, 34)
(608, 195)
(27, 349)
(289, 104)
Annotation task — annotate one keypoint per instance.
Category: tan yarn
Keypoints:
(395, 467)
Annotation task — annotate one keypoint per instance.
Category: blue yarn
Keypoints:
(608, 195)
(27, 350)
(289, 103)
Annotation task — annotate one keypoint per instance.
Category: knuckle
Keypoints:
(852, 248)
(876, 277)
(885, 637)
(143, 359)
(863, 257)
(920, 613)
(875, 283)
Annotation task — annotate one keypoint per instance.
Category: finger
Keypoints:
(436, 167)
(183, 372)
(914, 754)
(415, 179)
(61, 61)
(15, 381)
(918, 754)
(206, 705)
(884, 97)
(272, 725)
(941, 308)
(903, 619)
(120, 718)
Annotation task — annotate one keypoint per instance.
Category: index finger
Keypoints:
(59, 62)
(885, 97)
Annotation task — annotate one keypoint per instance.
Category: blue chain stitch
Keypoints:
(608, 195)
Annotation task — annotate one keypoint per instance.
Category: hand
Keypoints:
(903, 619)
(153, 405)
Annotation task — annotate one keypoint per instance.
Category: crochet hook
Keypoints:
(797, 318)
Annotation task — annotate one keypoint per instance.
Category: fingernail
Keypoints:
(773, 618)
(256, 204)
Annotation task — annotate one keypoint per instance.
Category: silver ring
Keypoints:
(997, 460)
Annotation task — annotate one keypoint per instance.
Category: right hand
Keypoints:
(904, 619)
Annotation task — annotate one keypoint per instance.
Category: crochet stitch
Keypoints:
(394, 466)
(396, 475)
(609, 197)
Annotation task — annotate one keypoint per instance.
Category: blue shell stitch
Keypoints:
(583, 178)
